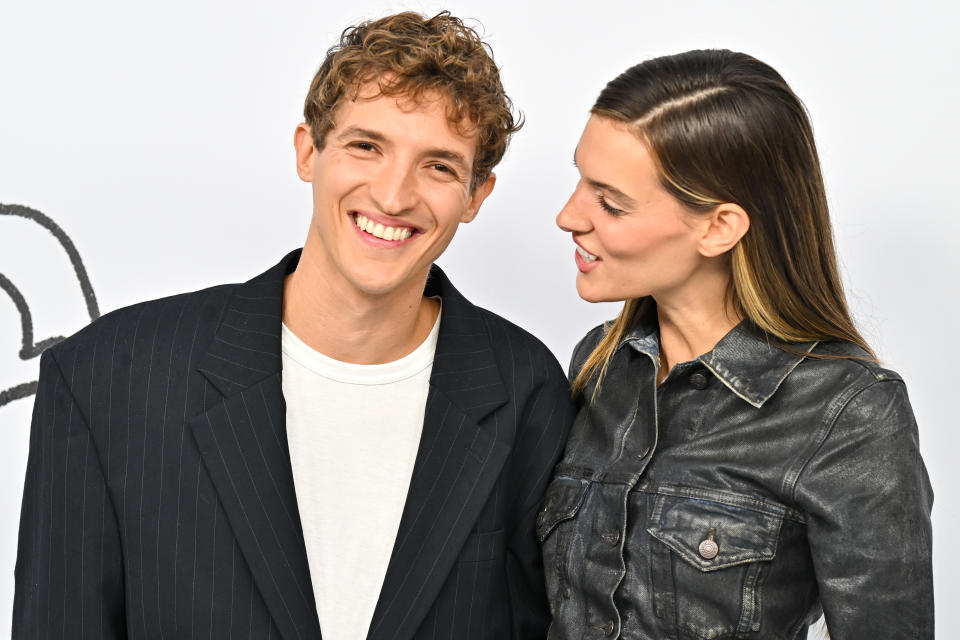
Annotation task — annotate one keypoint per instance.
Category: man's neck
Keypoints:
(350, 326)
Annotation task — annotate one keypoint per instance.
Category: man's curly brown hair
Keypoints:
(408, 55)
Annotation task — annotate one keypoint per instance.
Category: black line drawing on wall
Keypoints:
(30, 348)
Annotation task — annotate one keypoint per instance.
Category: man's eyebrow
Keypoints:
(448, 155)
(359, 132)
(440, 153)
(603, 186)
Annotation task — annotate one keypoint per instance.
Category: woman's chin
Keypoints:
(592, 294)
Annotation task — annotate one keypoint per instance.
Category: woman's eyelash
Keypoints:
(606, 206)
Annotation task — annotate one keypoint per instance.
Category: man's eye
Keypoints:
(363, 146)
(446, 171)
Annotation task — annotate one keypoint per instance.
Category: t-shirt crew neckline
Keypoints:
(362, 374)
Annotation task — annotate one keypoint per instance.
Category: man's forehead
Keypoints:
(408, 97)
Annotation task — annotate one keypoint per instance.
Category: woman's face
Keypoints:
(633, 238)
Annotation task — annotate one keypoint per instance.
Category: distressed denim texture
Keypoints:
(804, 472)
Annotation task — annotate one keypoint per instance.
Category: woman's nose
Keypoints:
(571, 217)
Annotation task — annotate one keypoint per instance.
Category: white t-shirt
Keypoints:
(354, 431)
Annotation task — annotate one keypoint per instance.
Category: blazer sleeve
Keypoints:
(545, 424)
(868, 501)
(69, 571)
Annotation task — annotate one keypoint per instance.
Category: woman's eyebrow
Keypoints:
(621, 197)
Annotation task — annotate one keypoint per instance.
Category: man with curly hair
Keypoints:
(342, 445)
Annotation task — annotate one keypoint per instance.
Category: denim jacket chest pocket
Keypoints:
(708, 553)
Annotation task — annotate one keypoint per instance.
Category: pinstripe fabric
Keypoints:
(159, 500)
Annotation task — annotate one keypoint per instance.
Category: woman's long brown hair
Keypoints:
(725, 127)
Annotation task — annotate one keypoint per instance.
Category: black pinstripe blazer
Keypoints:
(159, 500)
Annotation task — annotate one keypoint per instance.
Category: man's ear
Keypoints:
(476, 198)
(306, 152)
(722, 229)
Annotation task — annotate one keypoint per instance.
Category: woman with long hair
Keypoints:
(740, 462)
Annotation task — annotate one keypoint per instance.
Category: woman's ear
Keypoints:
(725, 225)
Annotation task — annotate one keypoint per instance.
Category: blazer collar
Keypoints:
(464, 368)
(246, 348)
(243, 442)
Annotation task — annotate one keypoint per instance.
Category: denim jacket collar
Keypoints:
(749, 365)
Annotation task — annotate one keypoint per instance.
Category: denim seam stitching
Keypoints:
(841, 404)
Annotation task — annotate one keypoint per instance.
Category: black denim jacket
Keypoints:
(747, 491)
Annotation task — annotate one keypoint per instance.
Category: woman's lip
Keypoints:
(577, 242)
(583, 265)
(587, 251)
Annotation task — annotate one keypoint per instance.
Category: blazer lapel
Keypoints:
(243, 443)
(457, 465)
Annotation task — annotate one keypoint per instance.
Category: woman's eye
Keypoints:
(606, 206)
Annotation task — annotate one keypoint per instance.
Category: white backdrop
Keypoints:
(154, 131)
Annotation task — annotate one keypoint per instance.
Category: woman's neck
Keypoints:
(692, 322)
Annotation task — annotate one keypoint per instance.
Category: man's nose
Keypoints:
(394, 190)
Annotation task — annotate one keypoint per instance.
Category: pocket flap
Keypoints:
(561, 502)
(741, 534)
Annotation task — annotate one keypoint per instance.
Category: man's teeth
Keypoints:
(376, 229)
(586, 257)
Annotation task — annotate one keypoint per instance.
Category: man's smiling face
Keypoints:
(390, 187)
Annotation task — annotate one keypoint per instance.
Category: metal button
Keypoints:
(699, 380)
(709, 548)
(643, 454)
(611, 538)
